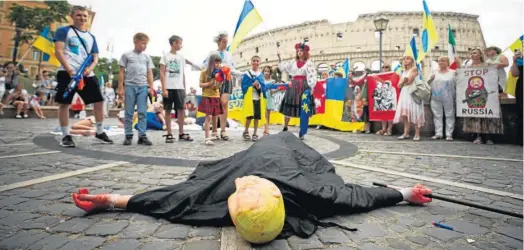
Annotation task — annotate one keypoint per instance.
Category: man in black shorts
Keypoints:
(73, 44)
(173, 82)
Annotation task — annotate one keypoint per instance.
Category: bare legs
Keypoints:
(407, 126)
(224, 100)
(286, 122)
(63, 115)
(266, 125)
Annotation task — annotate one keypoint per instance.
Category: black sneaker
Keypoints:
(128, 140)
(103, 138)
(67, 142)
(143, 140)
(285, 129)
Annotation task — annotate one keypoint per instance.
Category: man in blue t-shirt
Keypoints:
(72, 45)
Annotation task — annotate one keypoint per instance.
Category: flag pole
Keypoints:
(265, 26)
(23, 57)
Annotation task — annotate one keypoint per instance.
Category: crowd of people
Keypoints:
(442, 82)
(136, 85)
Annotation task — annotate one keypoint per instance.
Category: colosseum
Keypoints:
(331, 43)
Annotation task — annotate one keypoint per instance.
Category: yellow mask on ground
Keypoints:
(257, 209)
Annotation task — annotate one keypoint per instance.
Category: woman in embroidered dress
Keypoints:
(481, 127)
(304, 76)
(409, 109)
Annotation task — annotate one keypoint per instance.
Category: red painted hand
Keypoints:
(416, 194)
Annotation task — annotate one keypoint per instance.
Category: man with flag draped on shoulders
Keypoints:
(253, 90)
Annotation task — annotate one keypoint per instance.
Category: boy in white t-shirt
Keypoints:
(173, 82)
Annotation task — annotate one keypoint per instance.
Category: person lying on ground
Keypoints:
(305, 180)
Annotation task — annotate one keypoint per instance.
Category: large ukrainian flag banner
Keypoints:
(331, 118)
(248, 20)
(46, 45)
(334, 107)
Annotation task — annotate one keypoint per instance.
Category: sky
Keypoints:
(198, 21)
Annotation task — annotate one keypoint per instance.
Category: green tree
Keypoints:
(29, 21)
(102, 68)
(156, 70)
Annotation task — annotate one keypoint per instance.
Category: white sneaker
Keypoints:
(1, 112)
(18, 117)
(25, 116)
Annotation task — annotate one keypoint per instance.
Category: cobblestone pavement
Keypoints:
(41, 216)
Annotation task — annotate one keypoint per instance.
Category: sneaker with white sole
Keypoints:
(67, 142)
(18, 116)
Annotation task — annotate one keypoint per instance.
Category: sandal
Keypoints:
(380, 132)
(266, 133)
(477, 141)
(169, 138)
(185, 137)
(246, 136)
(403, 137)
(388, 133)
(209, 141)
(224, 136)
(214, 136)
(255, 137)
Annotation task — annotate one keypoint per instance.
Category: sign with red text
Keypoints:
(477, 92)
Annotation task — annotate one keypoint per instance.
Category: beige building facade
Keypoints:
(333, 43)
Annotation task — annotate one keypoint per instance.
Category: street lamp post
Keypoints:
(381, 23)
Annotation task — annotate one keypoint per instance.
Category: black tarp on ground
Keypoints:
(307, 180)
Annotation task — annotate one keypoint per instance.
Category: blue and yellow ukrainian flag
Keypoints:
(344, 69)
(517, 45)
(46, 45)
(332, 117)
(511, 83)
(411, 50)
(248, 20)
(429, 32)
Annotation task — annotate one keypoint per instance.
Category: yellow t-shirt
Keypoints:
(212, 91)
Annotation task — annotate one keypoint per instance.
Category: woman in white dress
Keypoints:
(410, 110)
(443, 99)
(227, 87)
(304, 76)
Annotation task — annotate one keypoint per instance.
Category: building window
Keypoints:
(256, 50)
(437, 47)
(36, 55)
(398, 47)
(416, 32)
(469, 49)
(359, 49)
(339, 36)
(321, 52)
(267, 60)
(240, 54)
